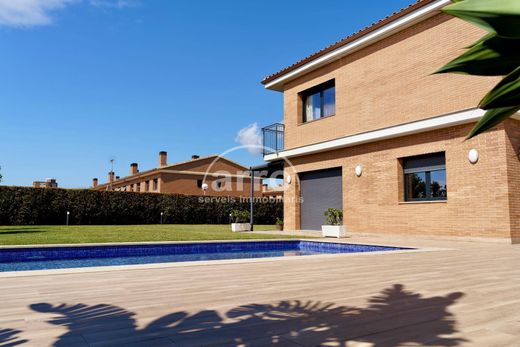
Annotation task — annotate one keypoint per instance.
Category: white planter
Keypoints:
(334, 231)
(240, 227)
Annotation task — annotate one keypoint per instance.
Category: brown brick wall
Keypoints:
(177, 183)
(389, 83)
(132, 184)
(187, 184)
(513, 165)
(479, 195)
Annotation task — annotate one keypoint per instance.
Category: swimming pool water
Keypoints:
(39, 258)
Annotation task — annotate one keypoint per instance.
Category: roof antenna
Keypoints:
(112, 160)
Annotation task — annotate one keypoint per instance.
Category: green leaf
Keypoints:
(493, 56)
(505, 94)
(499, 16)
(482, 39)
(492, 118)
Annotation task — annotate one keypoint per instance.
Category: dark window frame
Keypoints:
(199, 183)
(427, 170)
(320, 88)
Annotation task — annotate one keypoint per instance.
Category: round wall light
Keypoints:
(288, 179)
(473, 156)
(359, 170)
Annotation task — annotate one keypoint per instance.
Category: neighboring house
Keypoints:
(273, 191)
(222, 176)
(48, 183)
(369, 129)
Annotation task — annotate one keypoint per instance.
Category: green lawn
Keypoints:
(52, 234)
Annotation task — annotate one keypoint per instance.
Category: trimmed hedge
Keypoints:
(40, 206)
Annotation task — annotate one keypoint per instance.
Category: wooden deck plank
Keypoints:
(463, 296)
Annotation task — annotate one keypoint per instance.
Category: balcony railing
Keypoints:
(273, 139)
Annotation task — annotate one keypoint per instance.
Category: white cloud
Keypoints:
(250, 138)
(114, 3)
(26, 13)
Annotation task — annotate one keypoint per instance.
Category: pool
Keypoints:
(40, 258)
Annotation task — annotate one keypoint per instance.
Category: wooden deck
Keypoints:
(467, 296)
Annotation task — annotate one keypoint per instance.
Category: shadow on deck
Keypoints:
(392, 318)
(9, 338)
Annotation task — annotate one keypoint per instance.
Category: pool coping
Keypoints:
(110, 268)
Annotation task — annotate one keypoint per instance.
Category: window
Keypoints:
(146, 186)
(425, 177)
(155, 184)
(199, 183)
(137, 187)
(319, 102)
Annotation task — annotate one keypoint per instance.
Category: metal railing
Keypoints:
(273, 138)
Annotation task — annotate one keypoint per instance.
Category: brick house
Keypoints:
(48, 183)
(220, 176)
(369, 129)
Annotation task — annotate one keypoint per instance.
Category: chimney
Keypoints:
(133, 169)
(193, 157)
(111, 177)
(163, 158)
(94, 182)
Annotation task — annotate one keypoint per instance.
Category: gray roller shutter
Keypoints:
(319, 191)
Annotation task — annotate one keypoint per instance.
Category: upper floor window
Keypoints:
(155, 183)
(319, 101)
(425, 177)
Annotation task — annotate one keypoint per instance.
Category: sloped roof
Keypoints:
(172, 167)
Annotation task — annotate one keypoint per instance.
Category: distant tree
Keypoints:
(418, 186)
(495, 54)
(435, 188)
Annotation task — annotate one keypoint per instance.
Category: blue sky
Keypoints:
(86, 80)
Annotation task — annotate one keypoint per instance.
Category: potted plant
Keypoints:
(334, 227)
(240, 221)
(279, 223)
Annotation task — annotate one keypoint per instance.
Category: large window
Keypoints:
(319, 102)
(425, 177)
